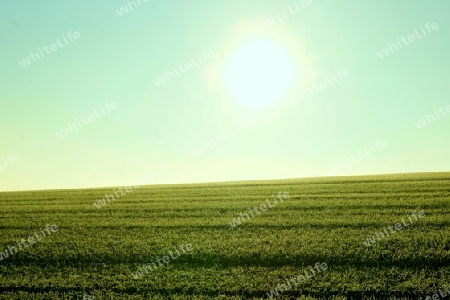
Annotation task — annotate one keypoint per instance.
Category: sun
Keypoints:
(259, 74)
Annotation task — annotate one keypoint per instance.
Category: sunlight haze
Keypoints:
(220, 91)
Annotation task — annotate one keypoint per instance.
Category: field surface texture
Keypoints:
(99, 253)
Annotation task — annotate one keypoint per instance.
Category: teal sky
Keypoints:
(155, 128)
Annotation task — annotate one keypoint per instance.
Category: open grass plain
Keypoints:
(95, 251)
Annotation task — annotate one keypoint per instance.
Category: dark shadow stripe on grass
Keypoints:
(209, 260)
(196, 291)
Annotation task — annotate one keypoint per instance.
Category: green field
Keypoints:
(95, 251)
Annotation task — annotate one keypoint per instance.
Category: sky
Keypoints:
(220, 90)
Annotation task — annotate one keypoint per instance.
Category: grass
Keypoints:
(95, 251)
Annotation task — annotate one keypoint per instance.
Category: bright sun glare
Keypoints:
(259, 74)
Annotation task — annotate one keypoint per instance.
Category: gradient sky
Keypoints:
(155, 129)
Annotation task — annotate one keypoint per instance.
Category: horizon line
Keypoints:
(226, 181)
